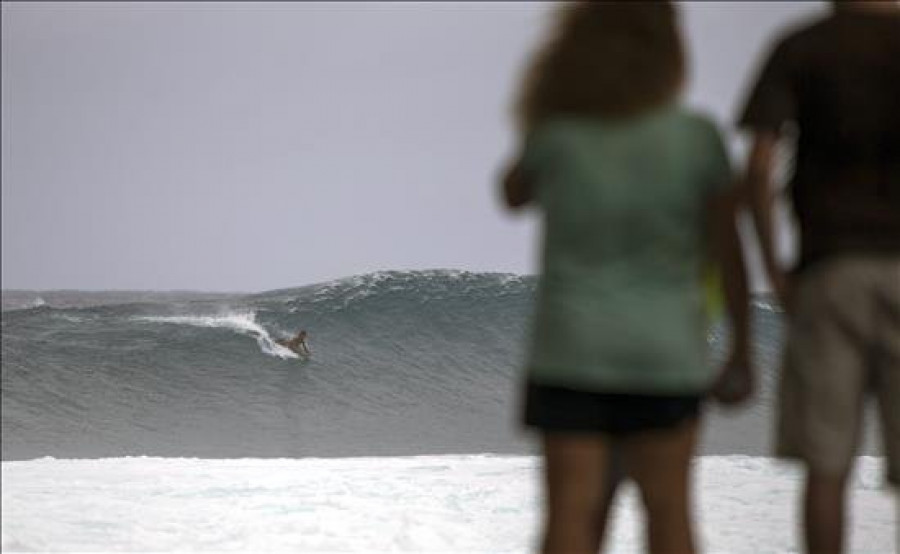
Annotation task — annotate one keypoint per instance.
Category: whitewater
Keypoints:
(463, 504)
(175, 422)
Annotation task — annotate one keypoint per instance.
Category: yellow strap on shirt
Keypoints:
(713, 293)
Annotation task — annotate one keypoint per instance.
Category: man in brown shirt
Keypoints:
(834, 83)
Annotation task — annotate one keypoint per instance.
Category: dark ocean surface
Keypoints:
(425, 362)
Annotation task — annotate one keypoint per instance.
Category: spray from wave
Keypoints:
(242, 323)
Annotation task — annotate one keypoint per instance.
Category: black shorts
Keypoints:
(558, 409)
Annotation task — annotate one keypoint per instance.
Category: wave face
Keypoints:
(403, 362)
(421, 362)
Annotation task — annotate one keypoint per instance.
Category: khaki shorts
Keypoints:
(843, 344)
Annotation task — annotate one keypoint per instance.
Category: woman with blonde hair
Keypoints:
(634, 192)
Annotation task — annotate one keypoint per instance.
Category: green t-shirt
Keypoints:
(620, 299)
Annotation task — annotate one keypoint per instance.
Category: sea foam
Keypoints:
(459, 504)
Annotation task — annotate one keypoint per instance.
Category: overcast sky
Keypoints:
(251, 146)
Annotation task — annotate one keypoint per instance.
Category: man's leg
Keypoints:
(823, 389)
(887, 375)
(823, 512)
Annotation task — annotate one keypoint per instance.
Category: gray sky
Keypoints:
(254, 146)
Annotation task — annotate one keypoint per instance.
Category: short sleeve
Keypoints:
(717, 171)
(535, 150)
(771, 102)
(538, 158)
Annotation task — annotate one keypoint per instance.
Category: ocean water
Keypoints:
(141, 421)
(404, 363)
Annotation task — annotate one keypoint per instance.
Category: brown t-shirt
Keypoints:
(838, 81)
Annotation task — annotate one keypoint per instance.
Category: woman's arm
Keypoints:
(726, 250)
(736, 381)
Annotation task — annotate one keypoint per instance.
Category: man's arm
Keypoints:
(761, 197)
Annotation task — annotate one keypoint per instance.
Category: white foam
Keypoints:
(456, 504)
(241, 322)
(359, 287)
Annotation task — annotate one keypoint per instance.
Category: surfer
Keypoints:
(297, 344)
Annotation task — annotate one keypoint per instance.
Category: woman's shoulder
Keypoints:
(686, 123)
(696, 128)
(560, 126)
(694, 119)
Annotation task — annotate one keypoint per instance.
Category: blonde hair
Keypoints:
(605, 59)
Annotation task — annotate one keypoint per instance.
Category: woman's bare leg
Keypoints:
(659, 461)
(615, 475)
(575, 492)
